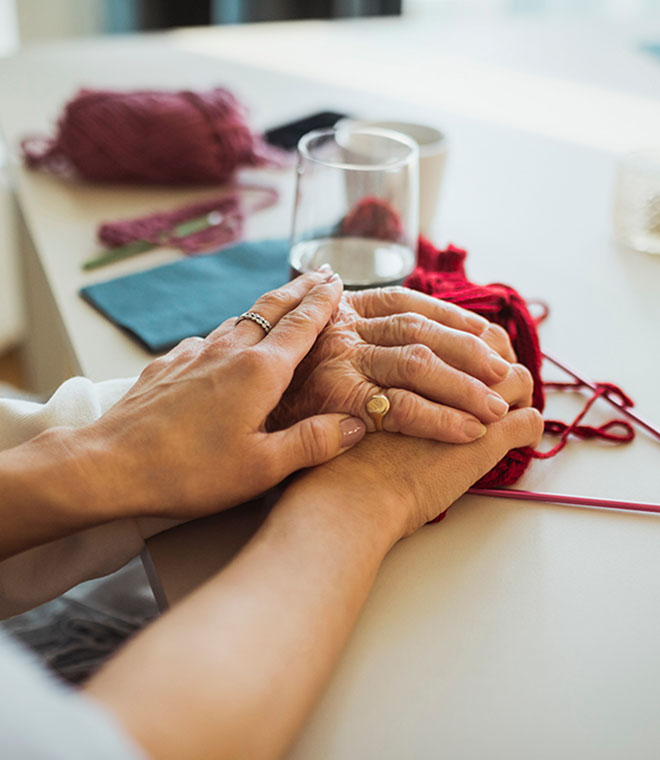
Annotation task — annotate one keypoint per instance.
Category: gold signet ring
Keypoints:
(377, 407)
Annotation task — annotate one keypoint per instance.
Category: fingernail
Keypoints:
(333, 278)
(473, 429)
(499, 365)
(497, 404)
(475, 322)
(323, 268)
(352, 430)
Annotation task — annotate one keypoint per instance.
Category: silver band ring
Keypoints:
(254, 317)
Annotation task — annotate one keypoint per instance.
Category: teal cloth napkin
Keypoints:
(162, 306)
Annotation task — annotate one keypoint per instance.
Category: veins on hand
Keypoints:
(327, 379)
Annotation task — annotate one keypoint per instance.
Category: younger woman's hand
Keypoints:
(189, 438)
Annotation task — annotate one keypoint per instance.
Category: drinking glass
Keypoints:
(637, 201)
(356, 205)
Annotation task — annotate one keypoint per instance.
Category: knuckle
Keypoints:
(536, 423)
(448, 310)
(314, 309)
(190, 346)
(299, 318)
(274, 301)
(410, 324)
(389, 296)
(318, 299)
(417, 360)
(448, 422)
(226, 324)
(156, 366)
(497, 332)
(523, 378)
(369, 359)
(392, 291)
(531, 423)
(314, 442)
(473, 345)
(404, 412)
(473, 392)
(496, 336)
(249, 362)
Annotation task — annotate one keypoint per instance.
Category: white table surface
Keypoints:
(510, 629)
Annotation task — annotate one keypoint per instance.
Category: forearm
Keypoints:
(234, 669)
(42, 495)
(46, 492)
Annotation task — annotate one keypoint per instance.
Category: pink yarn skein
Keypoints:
(150, 136)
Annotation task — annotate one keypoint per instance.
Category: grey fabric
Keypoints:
(76, 633)
(42, 719)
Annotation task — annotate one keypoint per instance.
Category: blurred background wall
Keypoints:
(48, 19)
(26, 22)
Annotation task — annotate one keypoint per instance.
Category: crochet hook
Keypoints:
(561, 498)
(649, 427)
(188, 227)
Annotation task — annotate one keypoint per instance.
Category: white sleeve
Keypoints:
(43, 719)
(44, 572)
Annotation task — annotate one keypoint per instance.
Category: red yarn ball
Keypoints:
(374, 218)
(150, 136)
(442, 274)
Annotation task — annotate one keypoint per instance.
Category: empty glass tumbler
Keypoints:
(356, 205)
(637, 201)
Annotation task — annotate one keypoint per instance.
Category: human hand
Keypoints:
(438, 364)
(189, 437)
(398, 483)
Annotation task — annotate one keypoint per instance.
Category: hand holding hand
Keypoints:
(397, 483)
(189, 437)
(438, 364)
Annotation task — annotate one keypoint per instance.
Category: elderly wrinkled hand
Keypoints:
(401, 483)
(439, 365)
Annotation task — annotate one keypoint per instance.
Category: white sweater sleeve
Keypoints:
(42, 719)
(44, 572)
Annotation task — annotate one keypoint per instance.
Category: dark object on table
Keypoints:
(287, 135)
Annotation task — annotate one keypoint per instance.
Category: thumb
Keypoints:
(315, 440)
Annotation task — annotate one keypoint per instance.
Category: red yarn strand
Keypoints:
(159, 228)
(555, 427)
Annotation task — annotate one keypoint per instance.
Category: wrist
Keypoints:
(47, 491)
(356, 499)
(81, 482)
(108, 478)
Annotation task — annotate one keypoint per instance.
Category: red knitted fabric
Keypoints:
(442, 274)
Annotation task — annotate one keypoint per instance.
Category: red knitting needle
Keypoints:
(561, 498)
(621, 407)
